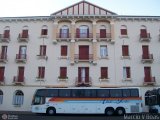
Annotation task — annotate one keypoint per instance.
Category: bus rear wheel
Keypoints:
(120, 111)
(51, 111)
(109, 111)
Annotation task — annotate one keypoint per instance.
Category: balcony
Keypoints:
(18, 80)
(147, 58)
(2, 80)
(21, 58)
(105, 37)
(23, 37)
(103, 79)
(149, 80)
(83, 36)
(45, 57)
(62, 78)
(83, 58)
(39, 78)
(4, 38)
(63, 36)
(145, 37)
(80, 83)
(3, 58)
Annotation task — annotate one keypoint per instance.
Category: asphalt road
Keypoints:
(29, 116)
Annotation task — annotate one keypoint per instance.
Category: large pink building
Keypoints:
(81, 45)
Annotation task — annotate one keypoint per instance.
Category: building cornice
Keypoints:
(51, 18)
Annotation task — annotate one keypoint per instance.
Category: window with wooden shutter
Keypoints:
(24, 33)
(41, 72)
(104, 72)
(63, 72)
(123, 31)
(126, 72)
(44, 31)
(6, 33)
(125, 51)
(43, 50)
(2, 69)
(64, 50)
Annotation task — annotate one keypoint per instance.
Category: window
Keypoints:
(64, 50)
(18, 98)
(82, 32)
(104, 72)
(143, 32)
(43, 50)
(126, 93)
(52, 93)
(2, 69)
(89, 93)
(41, 72)
(1, 96)
(103, 51)
(44, 30)
(123, 30)
(116, 93)
(22, 52)
(77, 93)
(63, 72)
(25, 32)
(134, 93)
(64, 93)
(6, 32)
(103, 93)
(64, 32)
(102, 31)
(3, 54)
(125, 51)
(126, 73)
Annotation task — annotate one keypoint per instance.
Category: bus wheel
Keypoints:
(109, 111)
(51, 111)
(120, 111)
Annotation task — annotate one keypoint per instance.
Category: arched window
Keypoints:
(64, 32)
(102, 31)
(1, 96)
(44, 30)
(83, 31)
(25, 32)
(143, 31)
(18, 97)
(6, 32)
(123, 30)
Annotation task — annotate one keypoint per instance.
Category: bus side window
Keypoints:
(103, 93)
(126, 93)
(134, 93)
(90, 93)
(75, 93)
(64, 93)
(52, 93)
(116, 93)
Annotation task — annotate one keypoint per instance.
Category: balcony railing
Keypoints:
(17, 80)
(45, 57)
(4, 38)
(63, 36)
(106, 37)
(145, 37)
(83, 36)
(21, 58)
(23, 37)
(149, 80)
(3, 58)
(85, 83)
(62, 78)
(147, 58)
(83, 58)
(2, 80)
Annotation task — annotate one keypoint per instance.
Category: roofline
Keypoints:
(81, 2)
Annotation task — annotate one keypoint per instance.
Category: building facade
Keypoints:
(81, 45)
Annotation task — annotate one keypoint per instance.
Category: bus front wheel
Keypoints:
(109, 111)
(51, 111)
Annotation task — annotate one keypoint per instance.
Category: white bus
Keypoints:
(83, 100)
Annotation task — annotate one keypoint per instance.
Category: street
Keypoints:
(30, 116)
